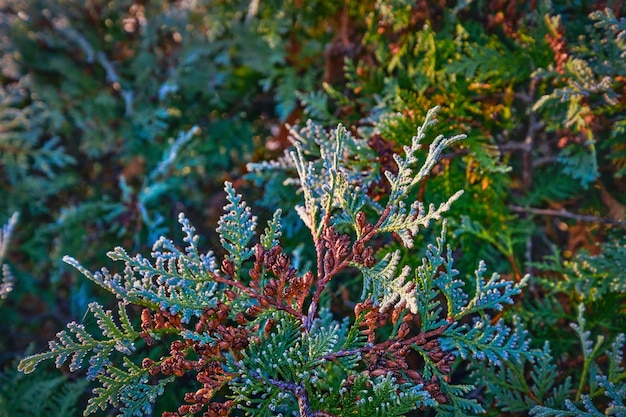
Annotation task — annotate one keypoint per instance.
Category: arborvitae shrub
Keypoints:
(259, 336)
(116, 115)
(537, 87)
(256, 333)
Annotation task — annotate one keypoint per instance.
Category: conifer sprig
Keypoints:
(254, 326)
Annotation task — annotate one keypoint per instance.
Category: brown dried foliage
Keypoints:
(391, 355)
(556, 41)
(276, 286)
(231, 336)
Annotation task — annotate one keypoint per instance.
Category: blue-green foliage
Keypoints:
(494, 342)
(177, 281)
(407, 223)
(116, 114)
(129, 389)
(79, 345)
(292, 359)
(606, 387)
(41, 395)
(236, 227)
(601, 388)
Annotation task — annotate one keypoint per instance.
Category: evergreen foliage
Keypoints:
(39, 395)
(116, 115)
(261, 334)
(339, 291)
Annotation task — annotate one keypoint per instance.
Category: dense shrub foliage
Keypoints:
(340, 290)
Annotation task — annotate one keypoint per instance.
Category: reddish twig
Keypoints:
(419, 339)
(323, 276)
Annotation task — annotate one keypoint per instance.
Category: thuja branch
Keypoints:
(273, 293)
(237, 326)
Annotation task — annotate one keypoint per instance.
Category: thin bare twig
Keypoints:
(569, 215)
(528, 168)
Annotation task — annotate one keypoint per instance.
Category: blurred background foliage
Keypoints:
(116, 115)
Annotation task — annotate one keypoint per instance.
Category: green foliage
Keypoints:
(117, 115)
(588, 277)
(78, 343)
(45, 394)
(521, 83)
(252, 334)
(176, 282)
(130, 389)
(548, 392)
(596, 386)
(606, 391)
(514, 392)
(101, 98)
(236, 228)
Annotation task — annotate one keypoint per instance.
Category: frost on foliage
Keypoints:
(383, 398)
(129, 389)
(77, 344)
(616, 357)
(329, 182)
(382, 283)
(335, 171)
(437, 275)
(492, 294)
(177, 281)
(284, 354)
(407, 221)
(317, 146)
(244, 318)
(496, 343)
(273, 231)
(319, 165)
(236, 227)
